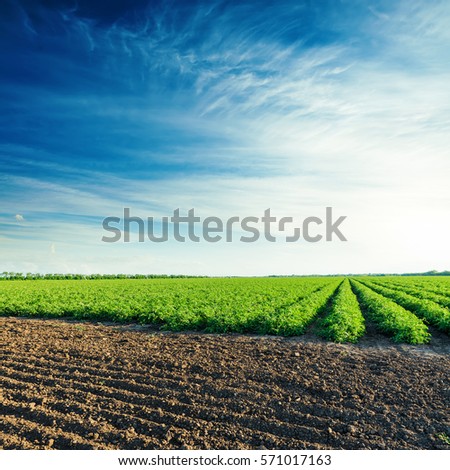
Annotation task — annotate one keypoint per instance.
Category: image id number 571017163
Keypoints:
(295, 460)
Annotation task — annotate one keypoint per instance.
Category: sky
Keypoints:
(228, 108)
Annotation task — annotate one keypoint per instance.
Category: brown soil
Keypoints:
(72, 385)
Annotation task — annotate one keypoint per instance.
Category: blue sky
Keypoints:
(228, 107)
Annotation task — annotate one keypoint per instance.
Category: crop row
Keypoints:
(295, 318)
(427, 310)
(217, 305)
(416, 291)
(337, 308)
(344, 322)
(440, 286)
(391, 318)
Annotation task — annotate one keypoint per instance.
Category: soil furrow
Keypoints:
(43, 436)
(141, 397)
(140, 372)
(73, 385)
(120, 424)
(161, 382)
(223, 415)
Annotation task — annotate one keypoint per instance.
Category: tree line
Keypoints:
(13, 276)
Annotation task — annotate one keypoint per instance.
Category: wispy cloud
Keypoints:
(228, 108)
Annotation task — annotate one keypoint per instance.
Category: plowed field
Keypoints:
(74, 385)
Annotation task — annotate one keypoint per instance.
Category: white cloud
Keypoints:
(368, 135)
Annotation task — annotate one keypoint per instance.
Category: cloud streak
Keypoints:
(228, 108)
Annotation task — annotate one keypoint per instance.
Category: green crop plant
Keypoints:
(344, 323)
(426, 309)
(281, 306)
(391, 318)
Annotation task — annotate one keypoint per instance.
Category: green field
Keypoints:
(335, 308)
